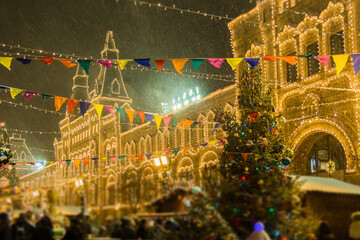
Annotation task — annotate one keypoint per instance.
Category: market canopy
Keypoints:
(328, 185)
(69, 210)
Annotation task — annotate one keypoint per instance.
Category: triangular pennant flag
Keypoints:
(176, 150)
(244, 156)
(188, 123)
(340, 62)
(150, 117)
(356, 62)
(142, 116)
(109, 109)
(24, 60)
(254, 62)
(159, 63)
(175, 122)
(197, 62)
(106, 63)
(324, 60)
(148, 155)
(204, 144)
(194, 124)
(185, 149)
(86, 161)
(181, 122)
(95, 159)
(21, 163)
(98, 108)
(122, 112)
(130, 114)
(131, 156)
(14, 92)
(77, 162)
(157, 120)
(29, 94)
(270, 58)
(216, 126)
(166, 122)
(145, 62)
(67, 62)
(122, 159)
(84, 64)
(59, 102)
(122, 63)
(140, 157)
(3, 87)
(216, 62)
(113, 159)
(306, 55)
(68, 162)
(179, 64)
(71, 104)
(46, 60)
(104, 158)
(84, 106)
(167, 151)
(212, 143)
(233, 62)
(45, 96)
(289, 59)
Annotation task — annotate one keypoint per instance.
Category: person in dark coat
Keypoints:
(125, 230)
(324, 232)
(5, 230)
(143, 231)
(21, 229)
(44, 229)
(74, 232)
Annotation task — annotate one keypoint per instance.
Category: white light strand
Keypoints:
(32, 132)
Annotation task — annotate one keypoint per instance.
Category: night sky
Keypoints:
(79, 27)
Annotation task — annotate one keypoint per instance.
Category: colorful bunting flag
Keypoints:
(14, 92)
(181, 122)
(270, 58)
(145, 62)
(233, 62)
(204, 144)
(340, 62)
(24, 60)
(167, 151)
(216, 126)
(289, 59)
(96, 160)
(130, 114)
(122, 112)
(324, 60)
(122, 63)
(176, 150)
(306, 55)
(67, 62)
(188, 123)
(77, 162)
(150, 117)
(179, 64)
(71, 104)
(84, 106)
(45, 96)
(212, 143)
(122, 159)
(86, 161)
(244, 156)
(142, 116)
(216, 62)
(197, 62)
(68, 162)
(131, 156)
(113, 159)
(29, 94)
(185, 149)
(140, 157)
(84, 64)
(59, 102)
(254, 62)
(159, 63)
(106, 63)
(46, 60)
(109, 109)
(148, 155)
(166, 122)
(356, 62)
(98, 108)
(157, 120)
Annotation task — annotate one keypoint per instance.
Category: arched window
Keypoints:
(115, 86)
(148, 147)
(22, 156)
(142, 145)
(111, 190)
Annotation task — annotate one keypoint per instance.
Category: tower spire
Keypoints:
(80, 85)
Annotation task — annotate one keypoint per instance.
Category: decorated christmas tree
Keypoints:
(6, 168)
(254, 189)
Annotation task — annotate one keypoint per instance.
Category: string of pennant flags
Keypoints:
(179, 64)
(84, 106)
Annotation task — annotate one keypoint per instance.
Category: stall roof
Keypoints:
(328, 185)
(69, 210)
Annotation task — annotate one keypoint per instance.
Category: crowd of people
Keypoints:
(25, 228)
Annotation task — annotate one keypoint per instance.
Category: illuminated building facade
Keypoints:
(321, 108)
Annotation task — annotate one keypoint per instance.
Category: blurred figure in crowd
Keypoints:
(74, 231)
(354, 231)
(21, 229)
(5, 230)
(125, 230)
(144, 231)
(44, 229)
(324, 232)
(158, 231)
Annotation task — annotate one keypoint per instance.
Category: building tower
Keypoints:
(80, 85)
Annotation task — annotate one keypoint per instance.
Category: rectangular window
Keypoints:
(336, 45)
(313, 66)
(291, 71)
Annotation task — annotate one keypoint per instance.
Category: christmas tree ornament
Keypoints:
(330, 167)
(285, 161)
(249, 144)
(264, 143)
